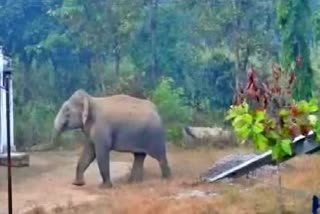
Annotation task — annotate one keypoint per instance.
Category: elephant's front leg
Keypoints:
(103, 160)
(86, 158)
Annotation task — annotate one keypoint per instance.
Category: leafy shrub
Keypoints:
(267, 114)
(171, 106)
(33, 124)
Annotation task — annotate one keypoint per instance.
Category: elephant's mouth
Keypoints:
(64, 126)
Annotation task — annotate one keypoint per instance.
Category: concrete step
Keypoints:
(18, 159)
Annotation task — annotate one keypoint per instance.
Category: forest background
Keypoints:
(187, 56)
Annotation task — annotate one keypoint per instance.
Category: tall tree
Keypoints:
(293, 18)
(153, 6)
(103, 26)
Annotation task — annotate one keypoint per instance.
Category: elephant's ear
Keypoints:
(85, 110)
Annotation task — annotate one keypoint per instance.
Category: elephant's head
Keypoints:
(73, 113)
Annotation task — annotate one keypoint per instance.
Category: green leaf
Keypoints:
(260, 115)
(247, 118)
(231, 115)
(284, 113)
(243, 132)
(313, 105)
(276, 151)
(257, 128)
(261, 142)
(286, 146)
(312, 119)
(245, 106)
(242, 120)
(317, 130)
(303, 106)
(235, 111)
(273, 135)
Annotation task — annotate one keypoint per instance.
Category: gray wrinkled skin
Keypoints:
(120, 123)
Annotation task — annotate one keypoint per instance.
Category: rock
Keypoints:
(215, 136)
(17, 159)
(43, 147)
(231, 161)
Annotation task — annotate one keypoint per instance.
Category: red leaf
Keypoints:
(305, 129)
(237, 100)
(289, 93)
(259, 109)
(294, 130)
(249, 84)
(295, 111)
(251, 75)
(265, 101)
(251, 93)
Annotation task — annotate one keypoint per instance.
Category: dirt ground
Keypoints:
(45, 186)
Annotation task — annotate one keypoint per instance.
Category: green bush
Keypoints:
(33, 123)
(173, 110)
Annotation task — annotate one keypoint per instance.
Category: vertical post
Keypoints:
(13, 147)
(2, 97)
(3, 104)
(6, 83)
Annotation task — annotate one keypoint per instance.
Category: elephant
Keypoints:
(119, 123)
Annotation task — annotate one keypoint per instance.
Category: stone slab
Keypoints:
(18, 159)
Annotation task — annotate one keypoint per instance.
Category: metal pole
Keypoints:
(13, 147)
(2, 134)
(8, 144)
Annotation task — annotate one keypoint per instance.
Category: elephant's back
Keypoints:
(127, 109)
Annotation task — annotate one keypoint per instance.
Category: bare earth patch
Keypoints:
(47, 184)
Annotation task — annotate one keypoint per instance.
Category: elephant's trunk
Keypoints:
(57, 130)
(54, 136)
(54, 142)
(59, 123)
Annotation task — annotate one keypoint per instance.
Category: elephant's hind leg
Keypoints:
(164, 167)
(137, 168)
(86, 158)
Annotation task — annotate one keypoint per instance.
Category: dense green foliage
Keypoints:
(294, 23)
(127, 46)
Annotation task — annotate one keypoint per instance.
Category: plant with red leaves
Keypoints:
(265, 112)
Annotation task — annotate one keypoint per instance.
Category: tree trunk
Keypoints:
(26, 80)
(117, 57)
(153, 5)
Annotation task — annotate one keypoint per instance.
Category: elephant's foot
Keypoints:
(135, 177)
(167, 175)
(78, 182)
(105, 185)
(166, 172)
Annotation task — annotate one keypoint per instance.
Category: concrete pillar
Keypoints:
(3, 125)
(18, 159)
